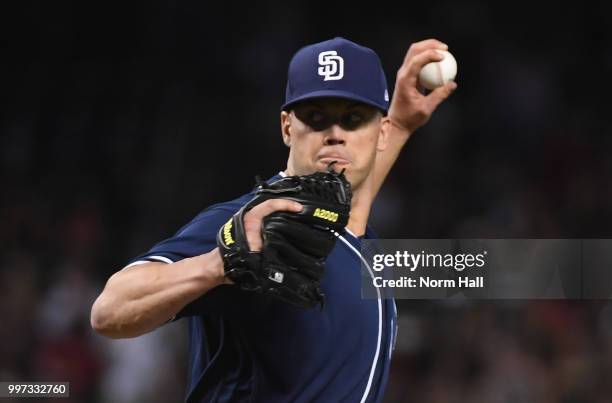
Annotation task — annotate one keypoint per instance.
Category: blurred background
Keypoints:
(120, 123)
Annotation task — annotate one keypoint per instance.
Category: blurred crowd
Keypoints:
(503, 352)
(121, 126)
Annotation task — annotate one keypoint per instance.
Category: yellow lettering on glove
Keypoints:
(227, 234)
(325, 214)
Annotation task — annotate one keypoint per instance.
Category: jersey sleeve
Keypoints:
(195, 238)
(198, 237)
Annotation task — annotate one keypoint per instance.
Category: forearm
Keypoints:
(142, 297)
(410, 108)
(397, 138)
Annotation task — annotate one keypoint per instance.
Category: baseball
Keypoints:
(436, 74)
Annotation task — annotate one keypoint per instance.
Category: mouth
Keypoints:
(328, 159)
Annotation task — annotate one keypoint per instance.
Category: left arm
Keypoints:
(409, 108)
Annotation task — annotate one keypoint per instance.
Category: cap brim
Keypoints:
(335, 94)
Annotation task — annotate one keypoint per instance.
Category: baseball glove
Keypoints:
(291, 263)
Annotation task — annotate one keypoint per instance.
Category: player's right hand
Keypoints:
(253, 219)
(276, 244)
(253, 222)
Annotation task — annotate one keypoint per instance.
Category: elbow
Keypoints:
(101, 320)
(106, 320)
(105, 314)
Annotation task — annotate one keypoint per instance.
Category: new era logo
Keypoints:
(331, 66)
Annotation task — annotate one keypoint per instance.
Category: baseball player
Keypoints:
(271, 281)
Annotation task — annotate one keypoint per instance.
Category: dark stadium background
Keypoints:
(120, 122)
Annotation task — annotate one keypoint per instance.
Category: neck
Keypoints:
(363, 197)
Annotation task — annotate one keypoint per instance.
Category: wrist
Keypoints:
(211, 268)
(393, 123)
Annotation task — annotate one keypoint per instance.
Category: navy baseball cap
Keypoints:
(337, 68)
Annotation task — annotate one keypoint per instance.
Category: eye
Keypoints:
(352, 120)
(355, 117)
(315, 116)
(317, 119)
(312, 116)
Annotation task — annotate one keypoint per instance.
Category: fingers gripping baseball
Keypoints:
(410, 108)
(419, 47)
(253, 220)
(418, 61)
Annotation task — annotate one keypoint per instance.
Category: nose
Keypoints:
(335, 135)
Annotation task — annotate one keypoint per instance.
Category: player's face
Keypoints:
(325, 130)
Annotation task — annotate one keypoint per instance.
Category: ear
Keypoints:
(285, 120)
(383, 136)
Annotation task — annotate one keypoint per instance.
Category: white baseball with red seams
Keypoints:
(436, 74)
